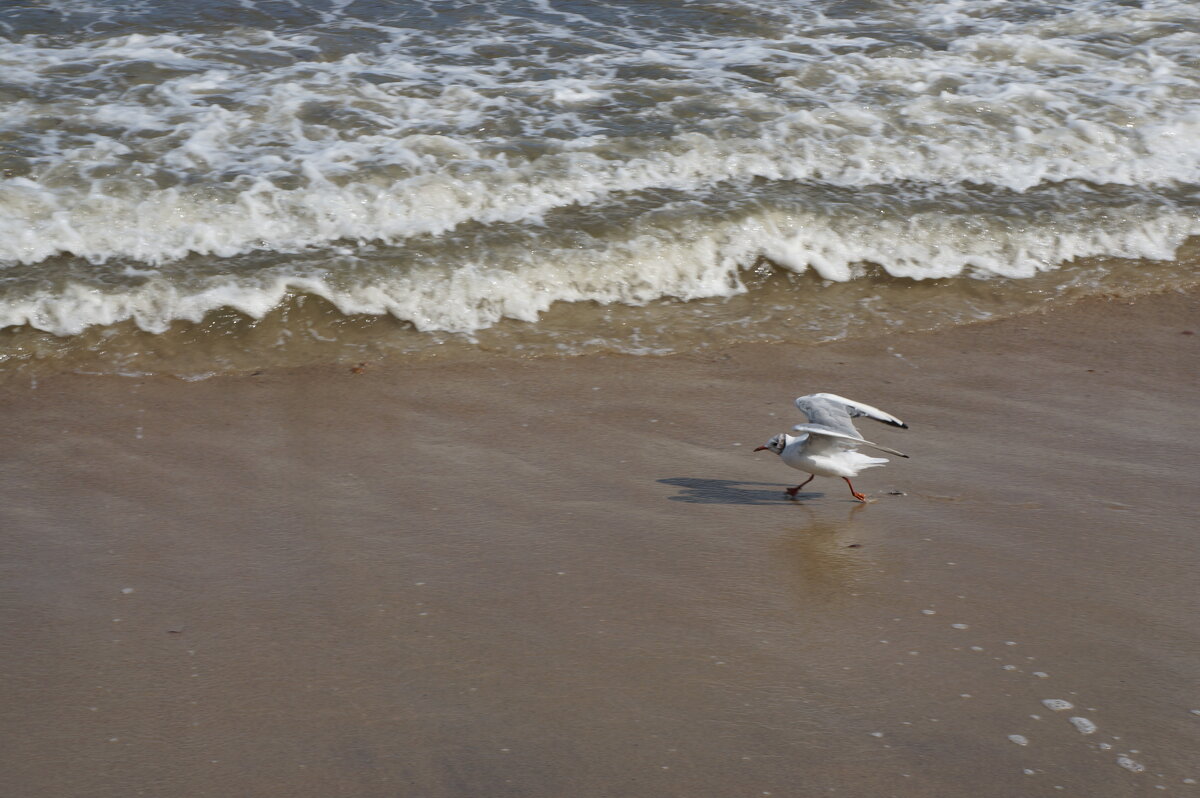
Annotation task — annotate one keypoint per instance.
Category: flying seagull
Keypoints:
(826, 445)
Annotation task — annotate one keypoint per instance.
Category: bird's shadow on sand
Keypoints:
(727, 491)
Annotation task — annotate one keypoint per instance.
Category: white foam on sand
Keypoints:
(1083, 725)
(1130, 764)
(1057, 704)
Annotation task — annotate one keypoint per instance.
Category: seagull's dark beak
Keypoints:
(760, 448)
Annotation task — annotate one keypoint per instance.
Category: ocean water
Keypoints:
(196, 188)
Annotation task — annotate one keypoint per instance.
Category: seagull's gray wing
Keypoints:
(835, 412)
(850, 441)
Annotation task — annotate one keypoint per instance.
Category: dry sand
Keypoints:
(573, 578)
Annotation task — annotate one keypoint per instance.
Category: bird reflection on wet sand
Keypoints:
(827, 555)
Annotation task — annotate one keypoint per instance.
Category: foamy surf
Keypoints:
(455, 169)
(516, 279)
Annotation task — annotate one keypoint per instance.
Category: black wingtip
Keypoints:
(899, 424)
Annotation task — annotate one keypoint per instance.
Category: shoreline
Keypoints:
(548, 577)
(306, 331)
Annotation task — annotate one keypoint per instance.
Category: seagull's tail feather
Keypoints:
(862, 461)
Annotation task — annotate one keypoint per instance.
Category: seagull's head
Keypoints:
(777, 443)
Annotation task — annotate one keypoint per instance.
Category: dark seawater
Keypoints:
(197, 188)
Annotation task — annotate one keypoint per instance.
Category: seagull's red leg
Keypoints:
(793, 491)
(857, 495)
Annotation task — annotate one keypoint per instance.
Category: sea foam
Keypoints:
(454, 172)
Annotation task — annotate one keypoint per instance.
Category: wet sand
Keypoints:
(574, 577)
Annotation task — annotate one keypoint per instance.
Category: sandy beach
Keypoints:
(573, 577)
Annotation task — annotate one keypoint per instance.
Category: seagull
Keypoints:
(826, 444)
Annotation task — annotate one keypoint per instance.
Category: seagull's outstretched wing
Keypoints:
(853, 440)
(835, 412)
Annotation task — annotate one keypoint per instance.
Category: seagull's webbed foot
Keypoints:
(861, 497)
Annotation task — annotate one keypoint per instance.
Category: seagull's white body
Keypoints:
(825, 456)
(827, 444)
